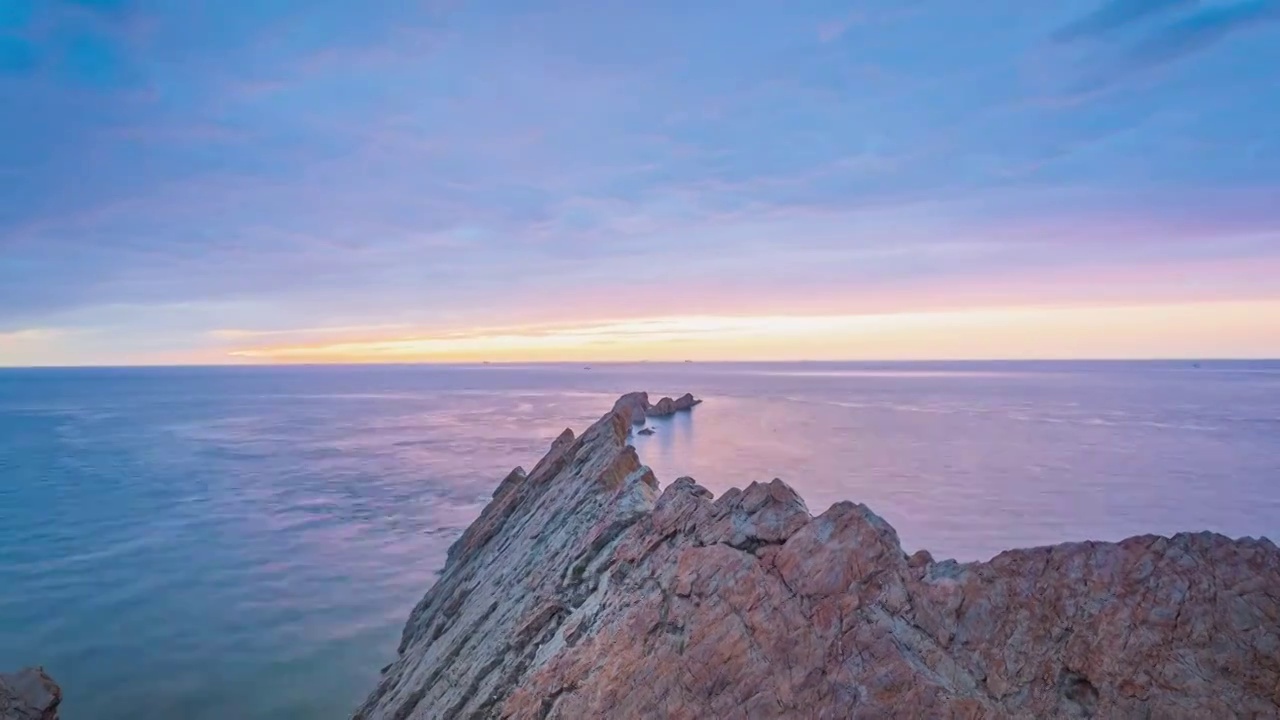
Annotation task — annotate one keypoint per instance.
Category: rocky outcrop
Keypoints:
(685, 402)
(666, 406)
(29, 694)
(581, 591)
(635, 406)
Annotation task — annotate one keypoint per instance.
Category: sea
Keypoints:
(247, 542)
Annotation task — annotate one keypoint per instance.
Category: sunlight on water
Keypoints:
(247, 543)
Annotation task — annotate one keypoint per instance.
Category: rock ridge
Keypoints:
(583, 591)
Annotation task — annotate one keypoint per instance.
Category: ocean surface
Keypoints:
(246, 543)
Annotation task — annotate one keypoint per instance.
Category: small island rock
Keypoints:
(29, 694)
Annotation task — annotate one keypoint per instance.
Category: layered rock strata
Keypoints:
(583, 591)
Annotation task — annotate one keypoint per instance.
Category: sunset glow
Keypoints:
(1240, 329)
(449, 182)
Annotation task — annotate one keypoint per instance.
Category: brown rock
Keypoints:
(583, 592)
(29, 694)
(513, 479)
(633, 406)
(685, 402)
(664, 407)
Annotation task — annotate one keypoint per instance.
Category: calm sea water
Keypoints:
(247, 542)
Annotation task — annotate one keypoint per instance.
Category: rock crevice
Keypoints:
(582, 591)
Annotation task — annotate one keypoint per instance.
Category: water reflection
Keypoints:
(247, 542)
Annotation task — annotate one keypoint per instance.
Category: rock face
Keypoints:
(685, 401)
(666, 406)
(635, 406)
(581, 591)
(29, 694)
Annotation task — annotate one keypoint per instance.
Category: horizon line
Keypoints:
(605, 363)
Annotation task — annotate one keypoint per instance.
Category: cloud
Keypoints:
(28, 335)
(36, 345)
(242, 334)
(1201, 30)
(1192, 34)
(392, 166)
(75, 31)
(1232, 329)
(1115, 14)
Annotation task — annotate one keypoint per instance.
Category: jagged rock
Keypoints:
(646, 431)
(581, 592)
(513, 478)
(632, 407)
(666, 406)
(29, 694)
(685, 402)
(662, 408)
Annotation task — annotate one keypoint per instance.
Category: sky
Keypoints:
(223, 181)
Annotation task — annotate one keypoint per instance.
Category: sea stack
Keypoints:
(635, 406)
(666, 406)
(584, 590)
(29, 694)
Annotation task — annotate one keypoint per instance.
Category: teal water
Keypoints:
(247, 542)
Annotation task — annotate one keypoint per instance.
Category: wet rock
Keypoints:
(29, 694)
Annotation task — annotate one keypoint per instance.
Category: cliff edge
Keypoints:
(583, 592)
(29, 694)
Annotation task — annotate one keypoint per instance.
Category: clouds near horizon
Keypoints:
(171, 169)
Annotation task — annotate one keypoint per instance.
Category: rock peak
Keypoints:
(583, 591)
